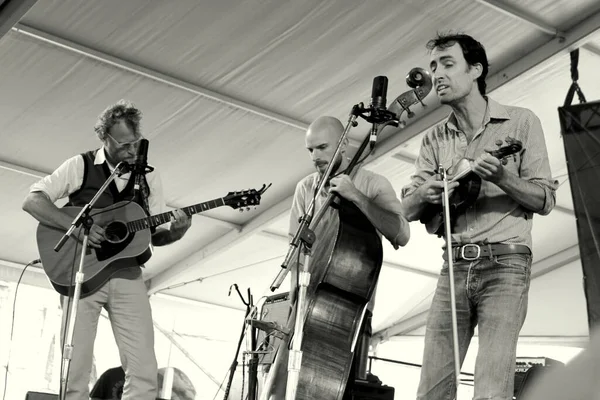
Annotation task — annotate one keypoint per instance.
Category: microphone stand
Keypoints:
(83, 218)
(449, 255)
(253, 364)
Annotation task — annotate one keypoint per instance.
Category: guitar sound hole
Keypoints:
(116, 232)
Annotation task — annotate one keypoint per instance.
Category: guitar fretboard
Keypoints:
(159, 219)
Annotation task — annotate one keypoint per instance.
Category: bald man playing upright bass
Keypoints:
(371, 193)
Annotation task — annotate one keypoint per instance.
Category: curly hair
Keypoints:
(473, 51)
(123, 110)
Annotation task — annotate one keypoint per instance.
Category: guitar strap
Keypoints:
(144, 191)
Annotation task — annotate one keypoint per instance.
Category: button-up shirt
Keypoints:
(494, 217)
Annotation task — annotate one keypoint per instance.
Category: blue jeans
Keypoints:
(490, 293)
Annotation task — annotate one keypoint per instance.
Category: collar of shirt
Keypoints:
(494, 110)
(101, 159)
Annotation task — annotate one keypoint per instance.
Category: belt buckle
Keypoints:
(465, 257)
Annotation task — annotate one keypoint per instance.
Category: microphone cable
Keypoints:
(12, 324)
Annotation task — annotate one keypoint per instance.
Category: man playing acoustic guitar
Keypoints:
(491, 238)
(124, 295)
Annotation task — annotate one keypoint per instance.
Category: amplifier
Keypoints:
(524, 363)
(275, 309)
(528, 370)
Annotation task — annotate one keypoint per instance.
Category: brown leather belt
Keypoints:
(474, 251)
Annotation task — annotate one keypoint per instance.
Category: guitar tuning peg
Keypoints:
(247, 208)
(498, 142)
(504, 161)
(241, 210)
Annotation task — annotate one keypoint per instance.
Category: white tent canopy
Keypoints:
(227, 89)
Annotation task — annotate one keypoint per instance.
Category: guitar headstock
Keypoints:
(245, 198)
(512, 147)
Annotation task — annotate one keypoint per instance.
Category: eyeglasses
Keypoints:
(129, 145)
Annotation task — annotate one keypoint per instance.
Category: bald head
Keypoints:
(322, 137)
(325, 127)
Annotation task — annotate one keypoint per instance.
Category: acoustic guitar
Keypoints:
(469, 186)
(128, 240)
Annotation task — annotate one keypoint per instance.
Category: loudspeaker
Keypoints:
(276, 309)
(528, 370)
(40, 396)
(525, 380)
(580, 128)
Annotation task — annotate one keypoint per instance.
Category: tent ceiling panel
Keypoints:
(18, 228)
(277, 58)
(254, 262)
(400, 296)
(200, 234)
(56, 97)
(553, 13)
(216, 150)
(557, 304)
(548, 229)
(215, 289)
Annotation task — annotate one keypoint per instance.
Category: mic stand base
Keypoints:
(446, 207)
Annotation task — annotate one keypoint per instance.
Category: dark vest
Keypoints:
(94, 177)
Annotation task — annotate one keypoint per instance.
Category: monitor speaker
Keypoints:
(276, 309)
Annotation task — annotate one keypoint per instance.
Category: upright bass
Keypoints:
(346, 259)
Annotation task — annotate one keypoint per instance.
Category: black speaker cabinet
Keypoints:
(276, 309)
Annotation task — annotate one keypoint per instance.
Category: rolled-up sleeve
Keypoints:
(535, 165)
(66, 179)
(424, 167)
(382, 194)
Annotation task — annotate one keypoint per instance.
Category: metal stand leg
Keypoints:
(445, 205)
(252, 370)
(72, 317)
(295, 360)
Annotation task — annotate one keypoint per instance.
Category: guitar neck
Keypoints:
(159, 219)
(496, 153)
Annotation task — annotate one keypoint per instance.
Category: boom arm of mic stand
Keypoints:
(120, 169)
(304, 233)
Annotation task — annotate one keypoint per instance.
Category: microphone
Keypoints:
(378, 104)
(140, 162)
(140, 165)
(379, 93)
